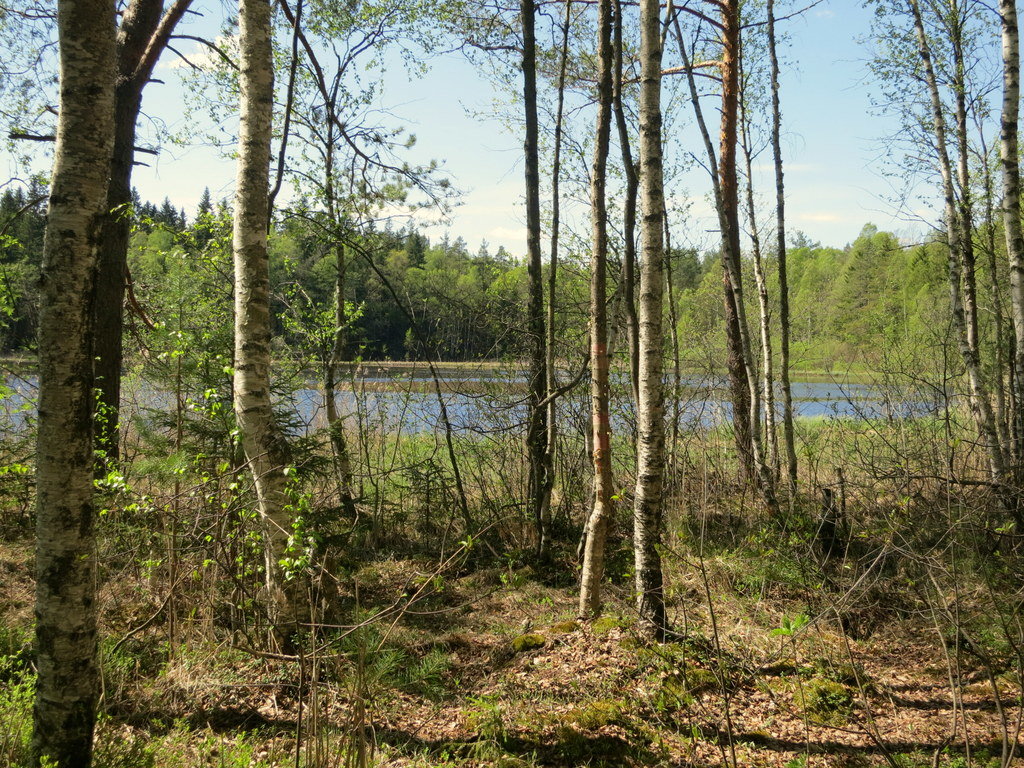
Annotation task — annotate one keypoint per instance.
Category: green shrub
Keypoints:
(15, 713)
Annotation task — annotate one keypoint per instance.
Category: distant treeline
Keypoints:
(411, 298)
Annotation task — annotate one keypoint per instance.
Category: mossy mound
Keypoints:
(605, 624)
(531, 641)
(564, 628)
(828, 699)
(846, 673)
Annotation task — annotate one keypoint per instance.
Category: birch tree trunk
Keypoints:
(265, 447)
(763, 303)
(780, 244)
(650, 479)
(335, 423)
(628, 210)
(979, 400)
(677, 372)
(536, 435)
(1002, 413)
(600, 515)
(1010, 163)
(67, 685)
(549, 350)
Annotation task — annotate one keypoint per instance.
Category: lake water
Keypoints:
(486, 400)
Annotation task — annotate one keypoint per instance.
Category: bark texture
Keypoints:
(536, 435)
(1009, 159)
(600, 515)
(742, 372)
(789, 438)
(142, 36)
(339, 351)
(739, 383)
(764, 307)
(264, 445)
(960, 255)
(628, 210)
(650, 480)
(549, 351)
(68, 680)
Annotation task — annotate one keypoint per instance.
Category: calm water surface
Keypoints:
(487, 400)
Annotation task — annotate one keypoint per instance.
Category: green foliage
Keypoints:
(791, 625)
(17, 687)
(385, 663)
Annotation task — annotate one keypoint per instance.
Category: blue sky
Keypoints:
(832, 139)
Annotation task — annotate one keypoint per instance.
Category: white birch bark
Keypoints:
(600, 515)
(650, 480)
(1009, 158)
(68, 681)
(264, 445)
(978, 396)
(780, 239)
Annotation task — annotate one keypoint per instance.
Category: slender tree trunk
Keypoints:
(979, 400)
(747, 428)
(1009, 156)
(335, 424)
(600, 515)
(68, 681)
(764, 307)
(738, 383)
(965, 210)
(141, 38)
(266, 449)
(1002, 416)
(677, 373)
(536, 435)
(556, 169)
(628, 211)
(780, 244)
(650, 478)
(742, 370)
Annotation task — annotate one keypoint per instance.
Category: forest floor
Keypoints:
(489, 667)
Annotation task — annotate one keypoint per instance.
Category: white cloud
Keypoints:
(507, 234)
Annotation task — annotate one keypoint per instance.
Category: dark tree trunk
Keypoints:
(549, 352)
(142, 36)
(536, 435)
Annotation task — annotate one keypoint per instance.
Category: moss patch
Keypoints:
(605, 624)
(531, 641)
(564, 628)
(828, 699)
